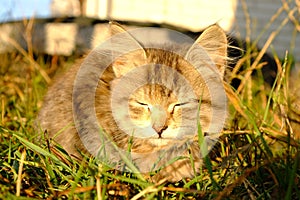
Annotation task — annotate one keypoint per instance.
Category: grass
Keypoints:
(255, 158)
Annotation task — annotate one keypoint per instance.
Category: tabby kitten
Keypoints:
(147, 101)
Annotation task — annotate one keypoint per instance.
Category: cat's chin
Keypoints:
(165, 142)
(160, 142)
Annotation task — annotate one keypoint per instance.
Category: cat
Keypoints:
(142, 103)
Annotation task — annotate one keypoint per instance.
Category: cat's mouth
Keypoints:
(161, 141)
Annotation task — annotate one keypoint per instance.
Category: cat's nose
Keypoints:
(159, 129)
(158, 119)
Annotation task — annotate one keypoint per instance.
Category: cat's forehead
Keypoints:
(163, 75)
(163, 56)
(155, 92)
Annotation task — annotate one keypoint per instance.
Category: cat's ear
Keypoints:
(214, 41)
(115, 28)
(129, 61)
(132, 56)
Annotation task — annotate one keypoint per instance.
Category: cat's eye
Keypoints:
(144, 105)
(188, 102)
(180, 104)
(176, 105)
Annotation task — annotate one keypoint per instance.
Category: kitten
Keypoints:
(146, 101)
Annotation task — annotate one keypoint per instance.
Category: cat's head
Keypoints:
(155, 93)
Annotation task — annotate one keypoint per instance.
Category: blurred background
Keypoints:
(65, 26)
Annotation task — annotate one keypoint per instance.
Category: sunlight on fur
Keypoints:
(160, 115)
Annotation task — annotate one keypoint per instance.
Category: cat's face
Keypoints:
(156, 107)
(159, 97)
(159, 103)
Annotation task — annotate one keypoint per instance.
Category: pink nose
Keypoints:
(158, 119)
(159, 129)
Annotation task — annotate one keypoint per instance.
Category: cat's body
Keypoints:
(164, 105)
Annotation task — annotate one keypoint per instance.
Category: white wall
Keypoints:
(191, 14)
(195, 15)
(61, 8)
(261, 12)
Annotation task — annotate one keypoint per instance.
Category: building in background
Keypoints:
(65, 8)
(256, 20)
(241, 18)
(194, 15)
